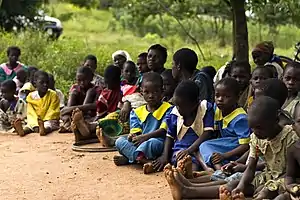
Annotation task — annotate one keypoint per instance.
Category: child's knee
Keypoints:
(121, 142)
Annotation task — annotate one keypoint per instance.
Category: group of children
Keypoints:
(239, 128)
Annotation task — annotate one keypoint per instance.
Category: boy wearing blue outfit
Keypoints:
(147, 125)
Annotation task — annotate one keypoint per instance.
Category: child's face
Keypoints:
(154, 60)
(260, 58)
(7, 93)
(129, 72)
(291, 79)
(241, 76)
(82, 80)
(296, 126)
(175, 71)
(258, 76)
(184, 107)
(142, 65)
(119, 61)
(169, 86)
(225, 99)
(152, 93)
(91, 64)
(42, 84)
(13, 57)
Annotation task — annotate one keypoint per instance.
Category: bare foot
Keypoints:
(224, 194)
(185, 166)
(18, 127)
(42, 130)
(64, 129)
(148, 168)
(102, 138)
(176, 188)
(201, 173)
(180, 178)
(79, 123)
(239, 196)
(121, 160)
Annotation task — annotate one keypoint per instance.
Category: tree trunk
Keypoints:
(240, 30)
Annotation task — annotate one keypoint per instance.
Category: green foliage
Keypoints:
(84, 3)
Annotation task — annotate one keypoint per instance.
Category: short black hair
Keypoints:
(91, 57)
(39, 74)
(51, 77)
(31, 71)
(9, 84)
(275, 89)
(210, 70)
(187, 58)
(143, 55)
(167, 73)
(86, 71)
(231, 83)
(264, 107)
(266, 69)
(188, 90)
(13, 48)
(154, 78)
(162, 50)
(130, 63)
(112, 72)
(240, 64)
(294, 64)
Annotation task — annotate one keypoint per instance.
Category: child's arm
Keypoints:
(72, 98)
(83, 108)
(290, 178)
(91, 96)
(144, 137)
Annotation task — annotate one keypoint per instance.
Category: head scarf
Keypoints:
(121, 53)
(266, 47)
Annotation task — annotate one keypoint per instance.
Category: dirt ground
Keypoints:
(35, 167)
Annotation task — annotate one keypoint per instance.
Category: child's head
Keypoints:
(129, 71)
(241, 72)
(91, 62)
(186, 97)
(112, 77)
(291, 77)
(262, 52)
(21, 75)
(210, 71)
(31, 71)
(142, 63)
(51, 82)
(41, 81)
(8, 89)
(273, 88)
(13, 54)
(156, 57)
(184, 60)
(120, 57)
(227, 94)
(84, 76)
(152, 88)
(169, 83)
(263, 117)
(259, 74)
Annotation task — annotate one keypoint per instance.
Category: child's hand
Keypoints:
(160, 163)
(293, 189)
(217, 158)
(181, 154)
(137, 140)
(228, 168)
(130, 136)
(125, 111)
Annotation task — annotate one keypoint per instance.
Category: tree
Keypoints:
(9, 10)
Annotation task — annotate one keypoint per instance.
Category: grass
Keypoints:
(96, 32)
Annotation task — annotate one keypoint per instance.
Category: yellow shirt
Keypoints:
(46, 108)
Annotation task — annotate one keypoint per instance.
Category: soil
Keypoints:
(35, 167)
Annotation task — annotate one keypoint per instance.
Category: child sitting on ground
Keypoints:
(269, 140)
(169, 85)
(81, 93)
(20, 79)
(12, 108)
(129, 74)
(8, 70)
(107, 103)
(91, 62)
(29, 85)
(142, 63)
(147, 125)
(58, 92)
(42, 108)
(241, 72)
(231, 123)
(291, 78)
(189, 124)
